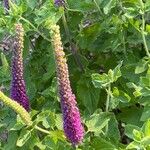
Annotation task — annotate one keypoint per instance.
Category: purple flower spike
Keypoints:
(6, 5)
(18, 89)
(59, 3)
(73, 128)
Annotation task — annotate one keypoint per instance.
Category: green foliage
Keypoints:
(107, 48)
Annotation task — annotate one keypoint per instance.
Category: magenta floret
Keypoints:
(6, 5)
(59, 3)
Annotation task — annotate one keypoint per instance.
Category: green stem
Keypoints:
(143, 29)
(143, 36)
(124, 44)
(108, 98)
(66, 26)
(98, 8)
(35, 29)
(107, 104)
(142, 4)
(42, 130)
(72, 46)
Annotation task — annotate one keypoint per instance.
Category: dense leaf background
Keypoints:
(109, 73)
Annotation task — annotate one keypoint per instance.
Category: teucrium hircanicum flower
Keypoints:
(59, 3)
(18, 89)
(6, 4)
(73, 128)
(17, 108)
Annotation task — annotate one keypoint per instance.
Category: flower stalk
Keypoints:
(143, 29)
(73, 128)
(59, 3)
(108, 103)
(18, 88)
(6, 5)
(72, 45)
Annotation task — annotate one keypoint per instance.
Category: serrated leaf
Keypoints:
(141, 67)
(97, 122)
(109, 4)
(100, 81)
(146, 141)
(133, 145)
(11, 141)
(87, 94)
(99, 143)
(146, 128)
(23, 138)
(137, 135)
(129, 130)
(145, 114)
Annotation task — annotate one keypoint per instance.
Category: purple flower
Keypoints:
(18, 89)
(73, 128)
(6, 5)
(59, 3)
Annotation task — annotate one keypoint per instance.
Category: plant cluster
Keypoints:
(76, 74)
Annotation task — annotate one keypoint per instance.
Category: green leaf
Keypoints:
(146, 128)
(51, 141)
(59, 121)
(99, 143)
(117, 72)
(138, 89)
(41, 146)
(100, 81)
(113, 131)
(146, 141)
(119, 96)
(109, 4)
(4, 69)
(137, 135)
(129, 130)
(141, 67)
(103, 80)
(11, 141)
(47, 118)
(23, 138)
(88, 36)
(4, 62)
(96, 122)
(145, 81)
(146, 114)
(32, 3)
(47, 15)
(87, 94)
(81, 5)
(57, 135)
(133, 145)
(133, 118)
(17, 126)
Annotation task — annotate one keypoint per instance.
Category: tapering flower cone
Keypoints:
(73, 128)
(18, 89)
(59, 3)
(6, 5)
